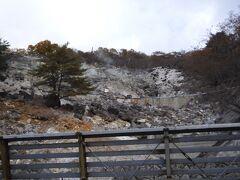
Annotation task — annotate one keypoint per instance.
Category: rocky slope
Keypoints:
(122, 98)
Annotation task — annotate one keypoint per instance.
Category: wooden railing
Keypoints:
(204, 151)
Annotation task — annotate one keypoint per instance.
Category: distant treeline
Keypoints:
(130, 58)
(218, 62)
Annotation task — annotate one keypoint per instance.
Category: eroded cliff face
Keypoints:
(19, 81)
(122, 99)
(123, 83)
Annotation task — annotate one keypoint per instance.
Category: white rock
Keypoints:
(118, 124)
(148, 125)
(141, 120)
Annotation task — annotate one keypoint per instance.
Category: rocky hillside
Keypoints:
(122, 98)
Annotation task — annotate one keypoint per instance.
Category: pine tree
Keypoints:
(60, 70)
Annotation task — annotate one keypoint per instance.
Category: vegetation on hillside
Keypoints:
(217, 63)
(59, 70)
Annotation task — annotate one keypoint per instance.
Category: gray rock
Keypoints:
(11, 114)
(25, 95)
(126, 116)
(229, 117)
(79, 111)
(113, 110)
(14, 115)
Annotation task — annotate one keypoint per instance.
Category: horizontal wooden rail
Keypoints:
(127, 173)
(207, 160)
(130, 132)
(43, 146)
(46, 175)
(159, 162)
(44, 156)
(44, 166)
(208, 171)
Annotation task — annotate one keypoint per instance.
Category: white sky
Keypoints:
(144, 25)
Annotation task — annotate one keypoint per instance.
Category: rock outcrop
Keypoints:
(122, 98)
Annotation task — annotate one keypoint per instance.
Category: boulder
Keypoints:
(25, 95)
(79, 111)
(126, 116)
(68, 107)
(118, 124)
(113, 111)
(141, 120)
(3, 94)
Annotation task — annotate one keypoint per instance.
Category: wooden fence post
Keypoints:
(5, 159)
(82, 157)
(167, 152)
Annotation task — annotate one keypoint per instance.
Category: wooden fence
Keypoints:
(195, 152)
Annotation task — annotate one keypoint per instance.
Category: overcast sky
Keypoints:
(144, 25)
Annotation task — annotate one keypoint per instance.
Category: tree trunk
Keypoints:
(52, 100)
